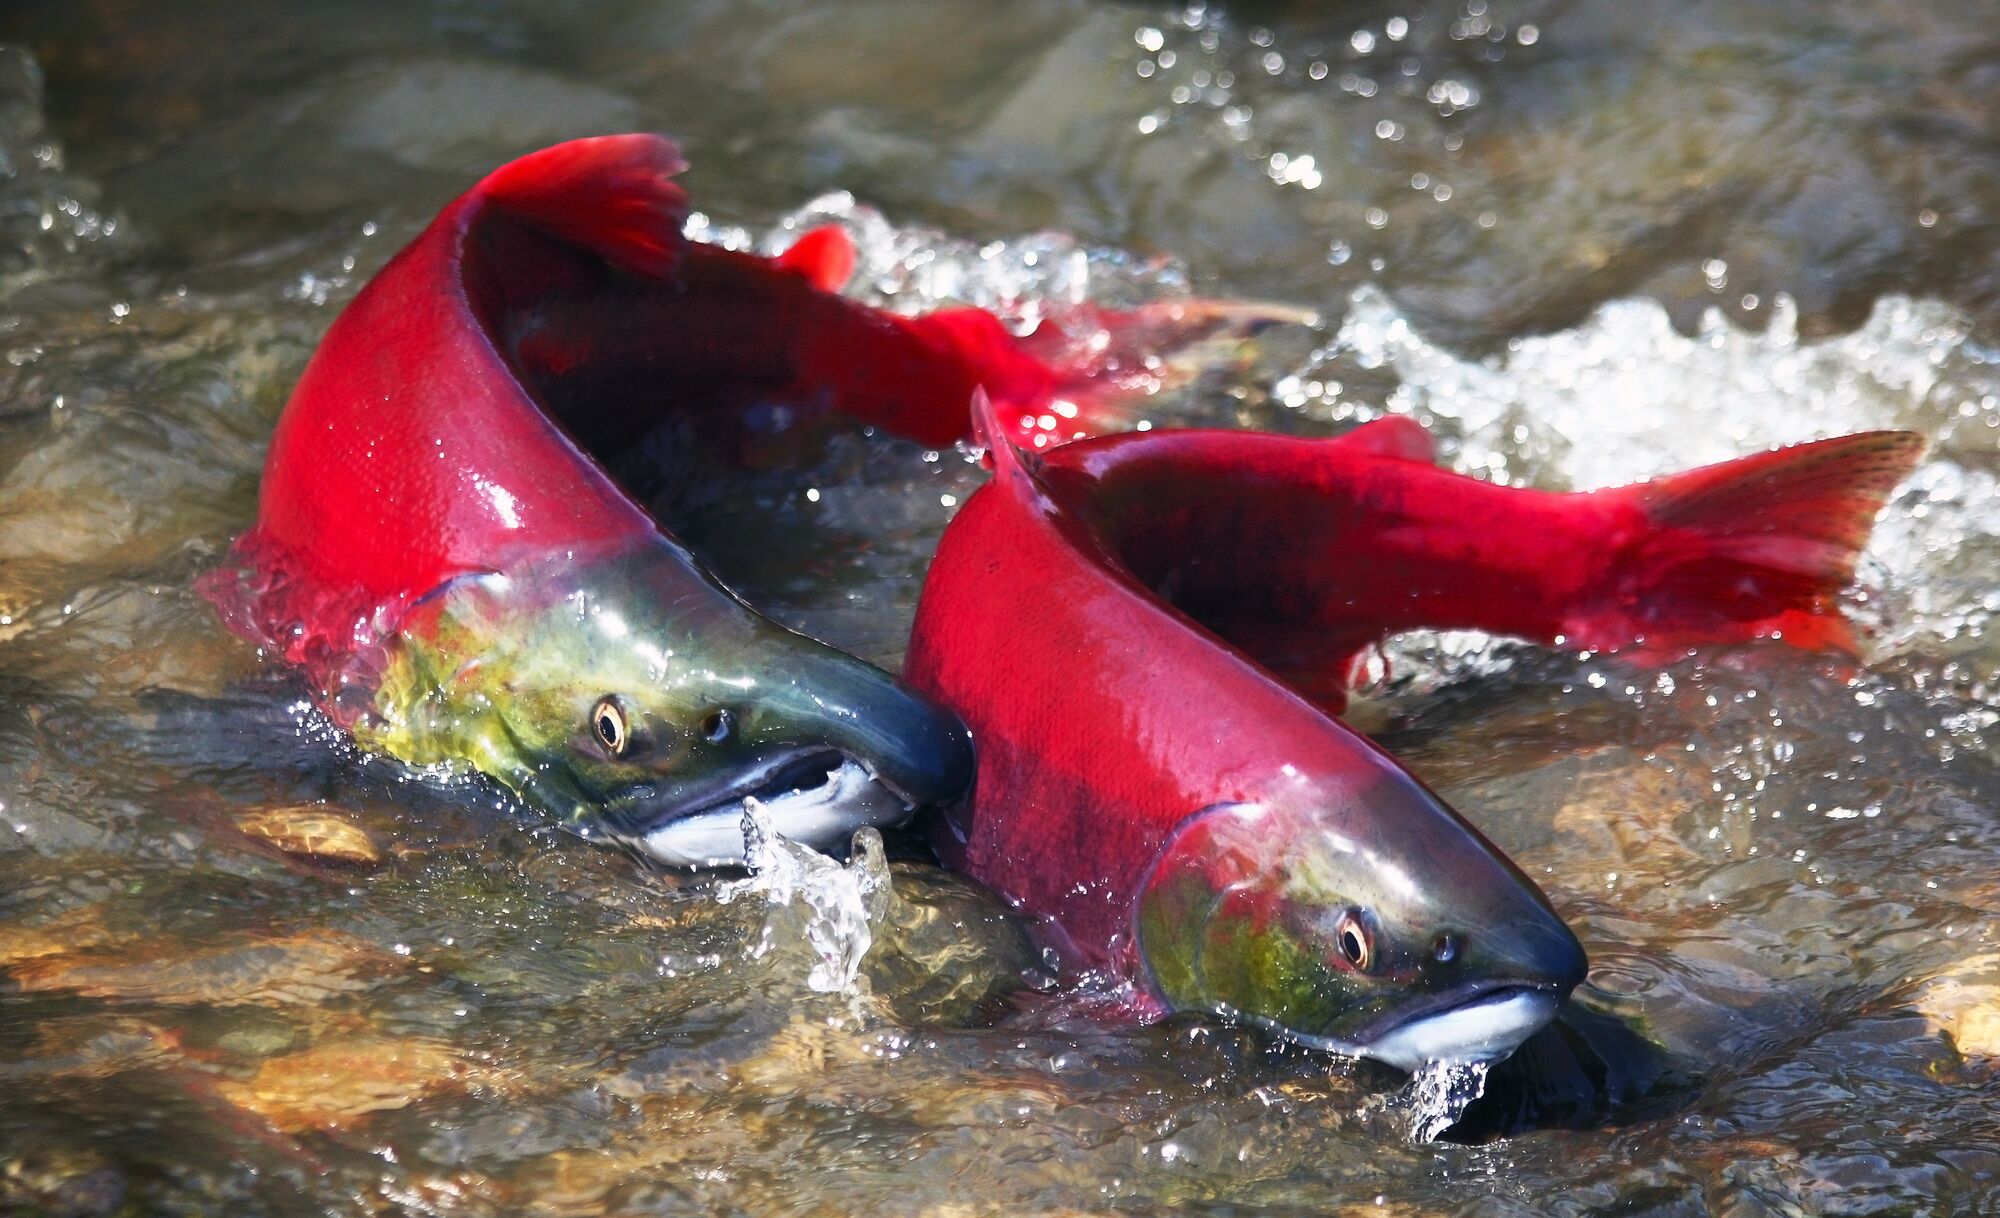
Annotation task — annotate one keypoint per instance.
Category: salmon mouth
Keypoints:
(1479, 1022)
(816, 797)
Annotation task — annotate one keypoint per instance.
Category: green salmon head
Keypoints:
(632, 696)
(1375, 924)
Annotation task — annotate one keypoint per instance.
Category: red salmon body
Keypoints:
(436, 430)
(1143, 629)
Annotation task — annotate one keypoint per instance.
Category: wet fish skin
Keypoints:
(438, 548)
(1148, 633)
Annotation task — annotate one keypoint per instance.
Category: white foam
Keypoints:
(1624, 396)
(914, 269)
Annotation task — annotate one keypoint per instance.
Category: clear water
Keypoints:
(1586, 241)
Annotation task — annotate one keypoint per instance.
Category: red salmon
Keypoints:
(1145, 634)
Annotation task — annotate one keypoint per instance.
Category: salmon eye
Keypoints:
(1356, 945)
(718, 725)
(610, 725)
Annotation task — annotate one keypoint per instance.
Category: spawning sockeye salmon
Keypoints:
(1145, 633)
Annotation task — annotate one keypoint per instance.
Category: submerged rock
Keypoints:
(315, 832)
(302, 969)
(946, 952)
(63, 1184)
(79, 929)
(92, 1047)
(1962, 1001)
(337, 1082)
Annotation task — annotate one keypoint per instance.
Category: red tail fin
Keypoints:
(612, 194)
(1091, 374)
(1757, 547)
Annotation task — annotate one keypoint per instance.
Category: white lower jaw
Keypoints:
(823, 817)
(1483, 1031)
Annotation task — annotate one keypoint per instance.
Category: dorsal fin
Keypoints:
(1397, 436)
(611, 194)
(824, 255)
(1008, 460)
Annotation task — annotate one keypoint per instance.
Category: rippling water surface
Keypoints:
(242, 970)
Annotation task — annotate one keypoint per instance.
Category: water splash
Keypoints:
(1438, 1095)
(913, 269)
(1625, 396)
(45, 211)
(836, 903)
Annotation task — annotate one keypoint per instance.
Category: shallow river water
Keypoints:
(243, 970)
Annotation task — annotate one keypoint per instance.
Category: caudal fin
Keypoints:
(611, 194)
(1090, 373)
(1759, 547)
(1104, 363)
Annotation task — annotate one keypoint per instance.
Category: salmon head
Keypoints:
(630, 696)
(1182, 815)
(1404, 944)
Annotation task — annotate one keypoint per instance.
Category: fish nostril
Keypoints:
(718, 725)
(1444, 949)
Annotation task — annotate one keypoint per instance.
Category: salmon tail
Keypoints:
(1104, 363)
(611, 194)
(1089, 372)
(1759, 547)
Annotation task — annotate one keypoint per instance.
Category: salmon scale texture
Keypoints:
(1145, 633)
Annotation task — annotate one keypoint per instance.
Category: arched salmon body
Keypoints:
(463, 582)
(1147, 634)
